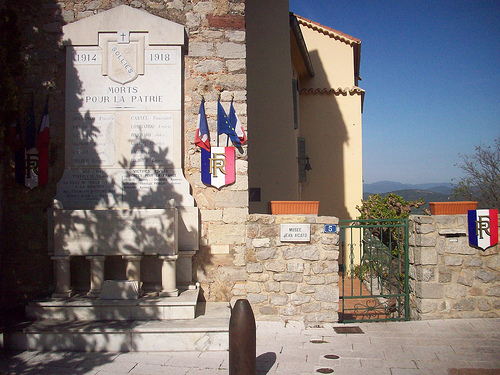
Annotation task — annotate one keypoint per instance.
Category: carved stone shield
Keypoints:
(122, 62)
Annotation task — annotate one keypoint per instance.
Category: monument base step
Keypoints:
(145, 308)
(209, 331)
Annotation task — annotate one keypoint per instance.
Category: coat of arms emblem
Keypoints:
(218, 166)
(123, 58)
(483, 228)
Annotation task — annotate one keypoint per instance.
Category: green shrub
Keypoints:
(391, 206)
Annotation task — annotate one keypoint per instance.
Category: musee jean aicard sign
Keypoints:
(295, 233)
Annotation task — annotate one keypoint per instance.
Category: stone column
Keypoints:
(184, 269)
(63, 276)
(96, 275)
(133, 270)
(168, 277)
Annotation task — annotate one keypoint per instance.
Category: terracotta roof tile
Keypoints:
(328, 31)
(335, 91)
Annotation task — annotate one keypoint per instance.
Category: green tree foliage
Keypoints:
(482, 176)
(391, 206)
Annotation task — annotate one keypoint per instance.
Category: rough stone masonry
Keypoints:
(215, 64)
(449, 278)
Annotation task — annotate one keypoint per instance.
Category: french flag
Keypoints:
(236, 124)
(218, 166)
(483, 228)
(43, 148)
(202, 136)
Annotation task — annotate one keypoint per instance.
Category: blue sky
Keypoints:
(431, 71)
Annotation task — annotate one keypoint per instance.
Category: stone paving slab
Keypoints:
(451, 347)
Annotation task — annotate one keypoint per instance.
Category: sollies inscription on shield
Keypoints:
(483, 228)
(125, 58)
(218, 166)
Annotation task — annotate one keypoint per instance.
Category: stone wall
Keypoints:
(449, 278)
(291, 280)
(26, 269)
(215, 64)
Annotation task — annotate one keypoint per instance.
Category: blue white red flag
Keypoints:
(218, 166)
(14, 139)
(17, 146)
(27, 156)
(42, 146)
(31, 129)
(202, 136)
(236, 124)
(483, 228)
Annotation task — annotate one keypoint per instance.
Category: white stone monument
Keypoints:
(123, 193)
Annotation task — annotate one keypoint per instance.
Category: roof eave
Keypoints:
(295, 27)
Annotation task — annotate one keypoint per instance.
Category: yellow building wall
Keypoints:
(333, 60)
(331, 124)
(332, 129)
(272, 141)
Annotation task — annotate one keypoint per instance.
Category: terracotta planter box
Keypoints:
(294, 207)
(451, 208)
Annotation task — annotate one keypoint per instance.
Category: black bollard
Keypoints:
(242, 339)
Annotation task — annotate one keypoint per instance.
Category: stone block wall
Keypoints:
(26, 268)
(215, 64)
(449, 278)
(291, 280)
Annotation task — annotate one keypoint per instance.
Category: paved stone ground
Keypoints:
(438, 347)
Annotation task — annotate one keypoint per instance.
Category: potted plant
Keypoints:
(452, 208)
(294, 207)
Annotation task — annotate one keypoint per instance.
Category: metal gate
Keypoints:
(374, 270)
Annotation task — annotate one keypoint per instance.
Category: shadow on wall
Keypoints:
(26, 265)
(323, 126)
(272, 151)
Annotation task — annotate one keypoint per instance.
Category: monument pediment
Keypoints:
(160, 30)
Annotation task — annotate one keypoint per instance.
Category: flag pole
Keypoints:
(227, 135)
(218, 103)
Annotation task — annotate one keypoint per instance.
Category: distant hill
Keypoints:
(431, 192)
(391, 186)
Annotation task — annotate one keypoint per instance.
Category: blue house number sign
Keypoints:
(330, 228)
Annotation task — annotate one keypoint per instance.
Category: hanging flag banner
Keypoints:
(202, 135)
(483, 228)
(42, 146)
(26, 156)
(218, 166)
(225, 126)
(236, 124)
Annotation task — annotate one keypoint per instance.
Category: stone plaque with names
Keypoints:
(123, 112)
(123, 122)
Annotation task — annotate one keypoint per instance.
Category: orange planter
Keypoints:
(451, 208)
(294, 207)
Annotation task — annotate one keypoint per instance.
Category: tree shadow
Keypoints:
(34, 363)
(326, 138)
(24, 220)
(102, 199)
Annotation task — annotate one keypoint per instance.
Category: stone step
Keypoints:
(209, 331)
(145, 308)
